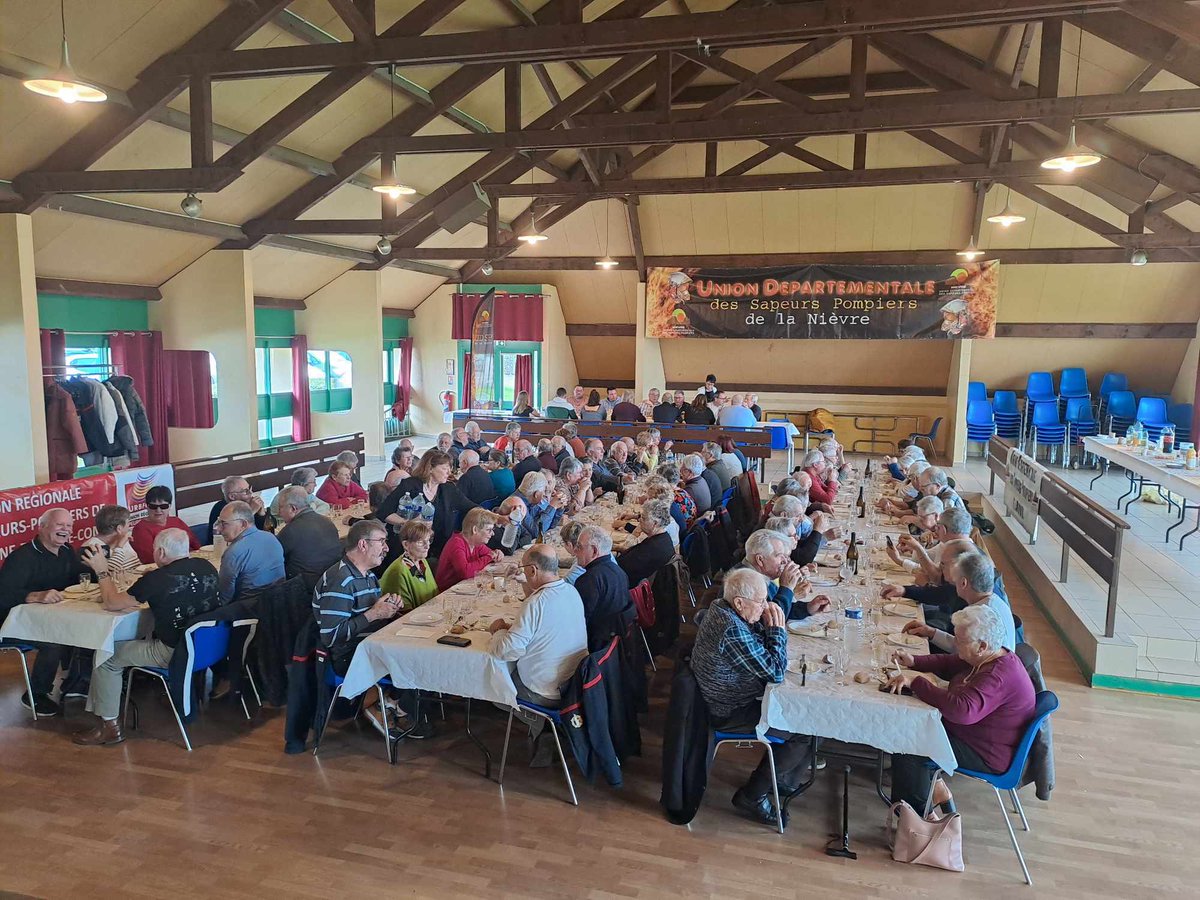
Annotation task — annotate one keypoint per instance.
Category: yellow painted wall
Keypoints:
(558, 359)
(22, 409)
(210, 306)
(432, 347)
(347, 315)
(1184, 389)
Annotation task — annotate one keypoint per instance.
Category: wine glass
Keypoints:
(845, 571)
(841, 662)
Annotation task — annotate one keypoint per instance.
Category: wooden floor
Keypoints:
(238, 818)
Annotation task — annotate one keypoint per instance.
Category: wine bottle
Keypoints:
(852, 552)
(862, 503)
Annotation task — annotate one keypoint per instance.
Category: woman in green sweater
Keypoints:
(411, 577)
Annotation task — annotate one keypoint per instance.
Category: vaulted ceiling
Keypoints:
(738, 131)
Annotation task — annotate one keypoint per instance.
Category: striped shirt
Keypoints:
(340, 602)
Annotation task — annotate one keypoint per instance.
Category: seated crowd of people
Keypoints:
(445, 516)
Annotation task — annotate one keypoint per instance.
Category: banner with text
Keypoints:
(20, 508)
(1022, 489)
(824, 302)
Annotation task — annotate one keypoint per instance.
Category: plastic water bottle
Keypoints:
(508, 539)
(405, 506)
(853, 632)
(427, 511)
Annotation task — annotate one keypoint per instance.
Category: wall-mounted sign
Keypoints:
(1021, 491)
(818, 302)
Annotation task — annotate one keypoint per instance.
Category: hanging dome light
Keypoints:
(64, 84)
(1007, 216)
(383, 246)
(1072, 157)
(191, 205)
(607, 262)
(394, 189)
(532, 235)
(970, 252)
(1139, 258)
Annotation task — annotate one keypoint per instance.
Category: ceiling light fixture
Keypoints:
(606, 262)
(531, 235)
(970, 252)
(383, 246)
(1073, 156)
(388, 184)
(65, 84)
(191, 205)
(1139, 258)
(1007, 216)
(487, 269)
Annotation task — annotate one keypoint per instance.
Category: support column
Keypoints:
(956, 401)
(22, 404)
(648, 369)
(210, 306)
(347, 315)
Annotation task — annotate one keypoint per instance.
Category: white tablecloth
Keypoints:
(1181, 481)
(411, 656)
(857, 713)
(76, 623)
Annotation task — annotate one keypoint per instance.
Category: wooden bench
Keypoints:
(198, 481)
(755, 443)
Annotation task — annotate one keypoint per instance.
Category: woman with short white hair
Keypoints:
(644, 559)
(985, 708)
(691, 471)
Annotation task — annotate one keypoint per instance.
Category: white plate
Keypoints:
(803, 629)
(466, 588)
(79, 591)
(822, 582)
(904, 610)
(908, 641)
(423, 616)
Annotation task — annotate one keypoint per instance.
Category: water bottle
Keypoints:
(508, 539)
(854, 627)
(427, 511)
(404, 508)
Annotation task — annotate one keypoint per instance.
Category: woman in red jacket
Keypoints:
(338, 489)
(824, 480)
(466, 553)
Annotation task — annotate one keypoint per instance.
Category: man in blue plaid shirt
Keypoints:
(740, 648)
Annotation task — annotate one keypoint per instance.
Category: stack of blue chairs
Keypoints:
(976, 390)
(1074, 384)
(1152, 412)
(1121, 410)
(981, 424)
(1112, 381)
(1007, 415)
(1181, 415)
(1080, 421)
(1039, 388)
(1048, 429)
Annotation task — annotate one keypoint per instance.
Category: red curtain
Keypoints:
(468, 376)
(524, 374)
(54, 350)
(404, 381)
(189, 389)
(518, 317)
(301, 402)
(140, 355)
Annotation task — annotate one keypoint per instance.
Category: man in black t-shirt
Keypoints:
(178, 591)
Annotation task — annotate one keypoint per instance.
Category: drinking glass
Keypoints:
(449, 612)
(841, 662)
(845, 571)
(85, 579)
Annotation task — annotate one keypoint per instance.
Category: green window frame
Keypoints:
(504, 348)
(274, 406)
(330, 381)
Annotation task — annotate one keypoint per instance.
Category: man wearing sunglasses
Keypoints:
(158, 518)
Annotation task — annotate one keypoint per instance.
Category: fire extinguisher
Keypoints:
(447, 398)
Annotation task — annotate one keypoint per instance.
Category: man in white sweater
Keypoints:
(549, 637)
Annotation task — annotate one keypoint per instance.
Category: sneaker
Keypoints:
(41, 704)
(422, 731)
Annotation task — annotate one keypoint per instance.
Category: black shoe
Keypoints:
(760, 809)
(42, 705)
(422, 731)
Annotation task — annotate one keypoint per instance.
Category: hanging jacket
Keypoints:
(178, 682)
(283, 610)
(137, 410)
(64, 437)
(106, 410)
(600, 719)
(1039, 766)
(122, 410)
(667, 589)
(123, 435)
(89, 416)
(685, 745)
(303, 695)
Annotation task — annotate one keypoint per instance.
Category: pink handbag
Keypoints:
(936, 841)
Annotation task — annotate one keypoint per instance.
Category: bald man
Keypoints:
(473, 480)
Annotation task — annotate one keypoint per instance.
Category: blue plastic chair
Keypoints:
(1080, 419)
(1047, 428)
(981, 423)
(554, 718)
(21, 650)
(1121, 410)
(1073, 383)
(1113, 381)
(207, 644)
(1181, 415)
(1007, 414)
(1152, 412)
(335, 681)
(976, 390)
(1045, 703)
(1039, 387)
(781, 440)
(746, 741)
(928, 437)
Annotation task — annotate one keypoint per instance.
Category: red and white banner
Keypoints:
(20, 508)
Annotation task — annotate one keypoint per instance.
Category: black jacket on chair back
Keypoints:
(607, 607)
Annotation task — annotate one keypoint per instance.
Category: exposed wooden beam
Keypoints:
(512, 97)
(555, 98)
(1174, 16)
(200, 113)
(1050, 59)
(1151, 330)
(633, 213)
(157, 181)
(889, 116)
(663, 70)
(1144, 40)
(261, 302)
(769, 25)
(813, 86)
(722, 184)
(858, 93)
(391, 312)
(710, 159)
(765, 82)
(579, 329)
(70, 287)
(353, 18)
(113, 122)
